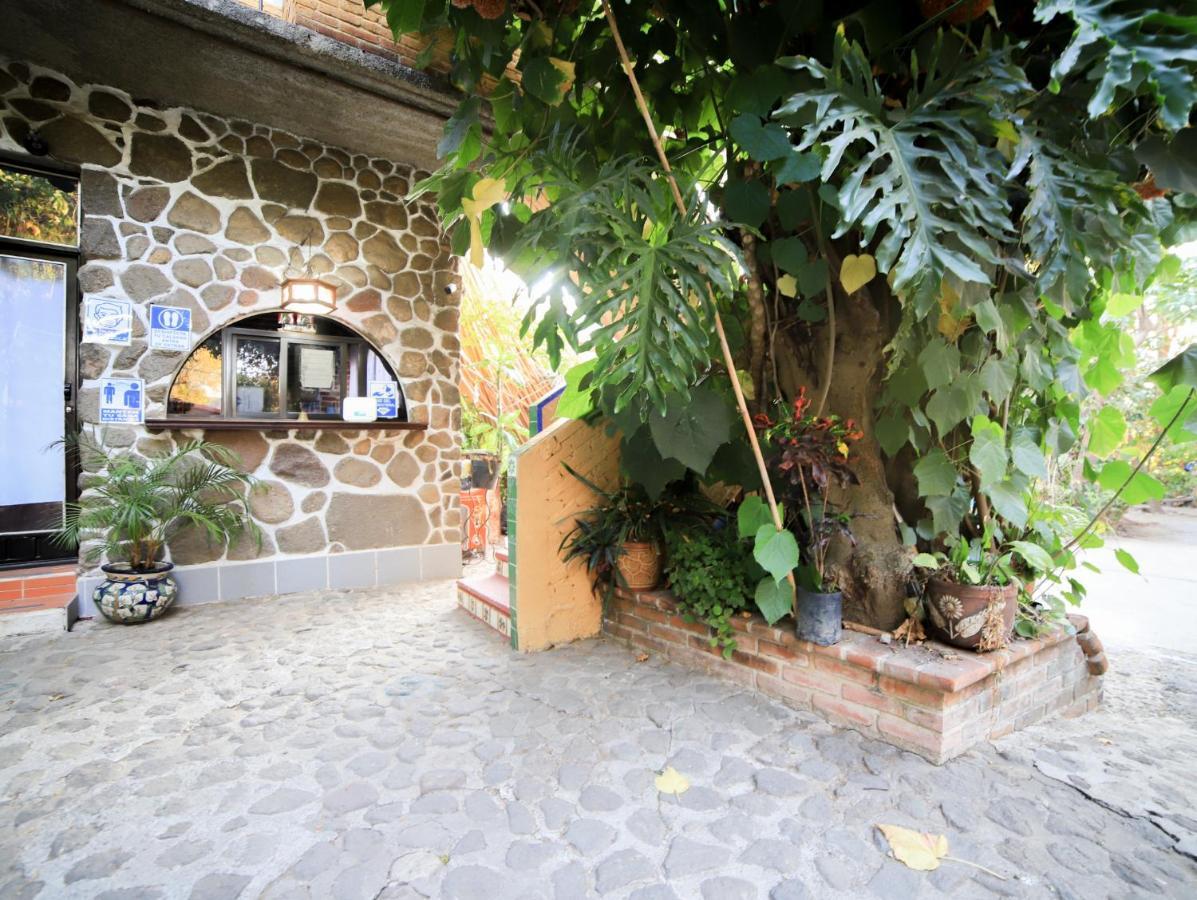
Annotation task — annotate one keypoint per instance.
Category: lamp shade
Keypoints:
(308, 295)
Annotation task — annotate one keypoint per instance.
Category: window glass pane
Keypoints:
(257, 377)
(197, 390)
(314, 379)
(39, 208)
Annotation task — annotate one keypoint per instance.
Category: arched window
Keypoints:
(283, 365)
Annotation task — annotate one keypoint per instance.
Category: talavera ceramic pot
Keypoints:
(130, 597)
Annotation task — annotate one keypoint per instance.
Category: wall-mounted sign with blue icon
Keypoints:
(170, 328)
(386, 399)
(122, 401)
(107, 321)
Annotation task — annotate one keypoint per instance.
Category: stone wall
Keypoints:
(187, 209)
(929, 699)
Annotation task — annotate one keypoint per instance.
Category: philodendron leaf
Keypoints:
(1034, 555)
(761, 142)
(988, 450)
(1106, 431)
(1008, 498)
(776, 551)
(1142, 487)
(775, 599)
(1128, 561)
(640, 462)
(936, 474)
(1026, 455)
(692, 432)
(925, 561)
(576, 401)
(752, 515)
(746, 202)
(1180, 369)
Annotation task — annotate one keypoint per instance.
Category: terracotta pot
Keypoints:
(969, 616)
(640, 565)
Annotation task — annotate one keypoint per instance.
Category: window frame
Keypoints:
(349, 347)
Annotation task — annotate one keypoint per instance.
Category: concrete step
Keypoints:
(502, 561)
(485, 598)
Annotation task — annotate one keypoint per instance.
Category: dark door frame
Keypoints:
(45, 553)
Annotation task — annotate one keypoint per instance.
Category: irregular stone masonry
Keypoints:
(186, 209)
(932, 700)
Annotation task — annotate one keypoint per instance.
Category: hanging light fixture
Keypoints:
(307, 293)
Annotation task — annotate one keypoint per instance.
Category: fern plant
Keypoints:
(134, 504)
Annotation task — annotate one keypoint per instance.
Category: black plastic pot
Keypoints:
(484, 469)
(820, 617)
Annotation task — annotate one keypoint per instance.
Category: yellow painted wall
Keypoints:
(553, 602)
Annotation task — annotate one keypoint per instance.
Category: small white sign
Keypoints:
(107, 321)
(170, 328)
(317, 368)
(122, 401)
(386, 399)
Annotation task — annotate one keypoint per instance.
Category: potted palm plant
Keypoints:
(134, 505)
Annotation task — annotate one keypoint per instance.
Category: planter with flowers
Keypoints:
(809, 460)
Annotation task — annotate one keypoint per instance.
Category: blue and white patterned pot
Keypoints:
(130, 597)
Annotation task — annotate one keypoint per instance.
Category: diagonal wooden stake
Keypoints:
(728, 361)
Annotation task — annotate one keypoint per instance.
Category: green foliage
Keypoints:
(712, 576)
(1123, 46)
(134, 505)
(923, 181)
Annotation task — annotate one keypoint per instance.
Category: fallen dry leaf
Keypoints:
(916, 849)
(671, 781)
(54, 697)
(641, 657)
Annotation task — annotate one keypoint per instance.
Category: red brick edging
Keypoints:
(914, 697)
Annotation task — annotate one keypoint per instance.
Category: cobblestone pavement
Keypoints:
(382, 744)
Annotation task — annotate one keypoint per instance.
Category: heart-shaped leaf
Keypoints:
(857, 271)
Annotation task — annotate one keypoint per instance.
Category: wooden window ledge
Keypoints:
(180, 424)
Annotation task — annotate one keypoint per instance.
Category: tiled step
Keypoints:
(502, 561)
(485, 598)
(36, 599)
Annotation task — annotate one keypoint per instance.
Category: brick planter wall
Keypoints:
(914, 698)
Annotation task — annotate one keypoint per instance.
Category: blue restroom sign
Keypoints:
(386, 399)
(122, 401)
(170, 328)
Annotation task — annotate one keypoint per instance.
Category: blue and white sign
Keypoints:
(107, 321)
(170, 328)
(122, 401)
(386, 399)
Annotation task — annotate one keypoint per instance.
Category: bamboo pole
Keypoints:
(728, 360)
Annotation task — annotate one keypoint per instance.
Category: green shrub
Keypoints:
(712, 574)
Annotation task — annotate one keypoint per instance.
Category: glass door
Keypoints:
(37, 365)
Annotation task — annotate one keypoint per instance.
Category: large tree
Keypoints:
(929, 214)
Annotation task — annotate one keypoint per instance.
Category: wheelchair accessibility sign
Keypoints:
(121, 401)
(170, 328)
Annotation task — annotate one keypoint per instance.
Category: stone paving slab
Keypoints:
(383, 744)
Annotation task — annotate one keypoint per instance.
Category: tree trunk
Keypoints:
(873, 573)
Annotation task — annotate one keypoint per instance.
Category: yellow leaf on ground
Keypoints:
(857, 271)
(916, 849)
(487, 192)
(787, 285)
(671, 781)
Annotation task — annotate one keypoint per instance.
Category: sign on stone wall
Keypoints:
(107, 321)
(386, 399)
(122, 401)
(170, 328)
